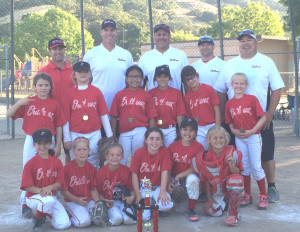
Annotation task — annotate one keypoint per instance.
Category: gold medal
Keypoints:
(242, 130)
(130, 119)
(159, 122)
(85, 117)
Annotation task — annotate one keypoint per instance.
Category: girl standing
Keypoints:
(80, 188)
(169, 104)
(38, 111)
(86, 112)
(136, 112)
(246, 117)
(152, 162)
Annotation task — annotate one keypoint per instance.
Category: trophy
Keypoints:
(144, 204)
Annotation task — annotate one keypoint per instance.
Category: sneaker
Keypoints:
(263, 204)
(27, 212)
(38, 222)
(231, 220)
(193, 216)
(273, 195)
(202, 198)
(247, 200)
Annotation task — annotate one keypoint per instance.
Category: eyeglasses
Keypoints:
(135, 76)
(189, 78)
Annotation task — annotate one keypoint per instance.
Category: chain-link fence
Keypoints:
(37, 21)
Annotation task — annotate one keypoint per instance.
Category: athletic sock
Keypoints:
(24, 205)
(262, 186)
(247, 184)
(192, 204)
(270, 185)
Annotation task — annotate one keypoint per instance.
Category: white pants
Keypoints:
(201, 134)
(169, 135)
(93, 137)
(153, 196)
(131, 141)
(80, 215)
(251, 150)
(50, 205)
(117, 216)
(29, 151)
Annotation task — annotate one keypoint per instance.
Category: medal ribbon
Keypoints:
(47, 180)
(153, 173)
(84, 106)
(183, 166)
(241, 115)
(161, 109)
(131, 108)
(114, 180)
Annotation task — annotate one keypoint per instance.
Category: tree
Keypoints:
(183, 36)
(37, 29)
(255, 15)
(296, 15)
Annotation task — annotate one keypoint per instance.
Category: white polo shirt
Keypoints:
(108, 69)
(210, 71)
(261, 72)
(175, 58)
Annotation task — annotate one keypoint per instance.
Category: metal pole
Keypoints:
(151, 23)
(82, 28)
(296, 68)
(220, 29)
(12, 71)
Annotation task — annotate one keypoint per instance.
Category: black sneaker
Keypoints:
(193, 216)
(37, 224)
(27, 212)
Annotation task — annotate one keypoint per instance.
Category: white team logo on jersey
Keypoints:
(108, 186)
(145, 167)
(32, 110)
(239, 110)
(40, 173)
(199, 101)
(163, 103)
(78, 105)
(132, 101)
(75, 181)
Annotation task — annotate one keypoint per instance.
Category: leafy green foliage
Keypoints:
(296, 16)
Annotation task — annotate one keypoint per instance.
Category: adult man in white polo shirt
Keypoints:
(108, 62)
(263, 77)
(209, 66)
(163, 54)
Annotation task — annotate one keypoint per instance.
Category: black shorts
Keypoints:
(268, 144)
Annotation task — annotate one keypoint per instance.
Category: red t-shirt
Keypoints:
(36, 169)
(199, 104)
(41, 113)
(151, 169)
(79, 181)
(61, 78)
(181, 156)
(243, 112)
(106, 180)
(78, 103)
(169, 105)
(134, 108)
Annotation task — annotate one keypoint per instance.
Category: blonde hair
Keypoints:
(215, 129)
(243, 75)
(81, 139)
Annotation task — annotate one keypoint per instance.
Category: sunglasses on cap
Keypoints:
(162, 26)
(206, 39)
(189, 78)
(247, 32)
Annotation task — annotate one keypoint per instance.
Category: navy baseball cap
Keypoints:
(81, 66)
(108, 22)
(162, 69)
(207, 39)
(187, 121)
(162, 26)
(42, 135)
(55, 43)
(246, 32)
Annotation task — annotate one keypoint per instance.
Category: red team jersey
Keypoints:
(79, 181)
(129, 104)
(169, 104)
(61, 79)
(151, 169)
(41, 173)
(41, 113)
(243, 112)
(78, 103)
(107, 179)
(181, 156)
(199, 104)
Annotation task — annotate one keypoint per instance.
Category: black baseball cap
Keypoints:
(162, 69)
(108, 22)
(188, 121)
(207, 39)
(42, 135)
(81, 66)
(162, 26)
(246, 32)
(188, 72)
(55, 43)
